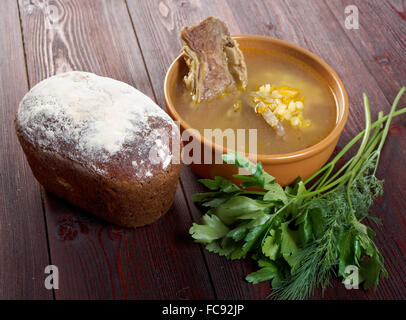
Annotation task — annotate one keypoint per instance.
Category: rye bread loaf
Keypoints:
(102, 145)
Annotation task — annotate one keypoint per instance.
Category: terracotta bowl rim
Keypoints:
(342, 108)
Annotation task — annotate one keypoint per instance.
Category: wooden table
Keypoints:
(135, 41)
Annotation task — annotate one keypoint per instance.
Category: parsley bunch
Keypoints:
(305, 234)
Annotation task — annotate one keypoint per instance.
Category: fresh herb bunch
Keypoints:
(305, 234)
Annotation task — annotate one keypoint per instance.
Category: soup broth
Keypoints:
(265, 67)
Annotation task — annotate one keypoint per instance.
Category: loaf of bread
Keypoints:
(102, 145)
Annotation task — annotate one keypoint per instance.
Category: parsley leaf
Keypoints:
(211, 229)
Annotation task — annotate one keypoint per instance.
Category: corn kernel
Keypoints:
(281, 109)
(260, 108)
(295, 121)
(283, 101)
(292, 106)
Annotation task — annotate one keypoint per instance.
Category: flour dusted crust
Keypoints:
(102, 145)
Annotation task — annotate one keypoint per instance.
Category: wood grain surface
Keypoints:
(273, 18)
(135, 41)
(380, 41)
(160, 29)
(95, 260)
(23, 243)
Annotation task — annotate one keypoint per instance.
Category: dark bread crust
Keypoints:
(102, 145)
(125, 202)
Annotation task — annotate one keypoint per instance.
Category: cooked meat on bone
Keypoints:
(216, 64)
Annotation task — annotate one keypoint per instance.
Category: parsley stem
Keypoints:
(345, 166)
(322, 181)
(351, 143)
(367, 132)
(326, 188)
(368, 153)
(352, 166)
(361, 149)
(377, 130)
(387, 125)
(390, 116)
(342, 180)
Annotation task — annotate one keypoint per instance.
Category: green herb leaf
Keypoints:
(219, 183)
(271, 245)
(223, 248)
(211, 229)
(215, 202)
(252, 238)
(239, 233)
(275, 193)
(289, 247)
(371, 270)
(240, 208)
(263, 274)
(346, 248)
(257, 178)
(201, 197)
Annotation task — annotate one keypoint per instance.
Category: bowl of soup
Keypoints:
(300, 151)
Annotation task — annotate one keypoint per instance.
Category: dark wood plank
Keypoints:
(313, 26)
(157, 24)
(381, 44)
(380, 40)
(324, 35)
(97, 260)
(23, 250)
